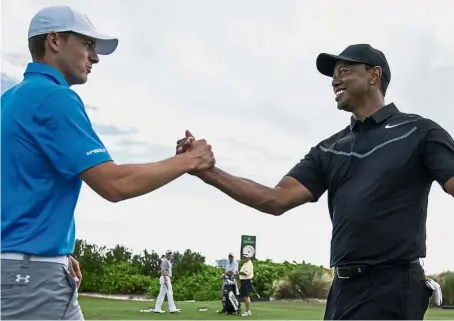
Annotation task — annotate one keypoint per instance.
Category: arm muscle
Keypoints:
(120, 182)
(288, 194)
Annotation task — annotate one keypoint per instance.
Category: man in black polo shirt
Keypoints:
(378, 172)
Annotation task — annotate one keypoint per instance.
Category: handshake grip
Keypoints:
(197, 151)
(181, 142)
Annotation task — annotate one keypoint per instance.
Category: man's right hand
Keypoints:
(198, 151)
(200, 154)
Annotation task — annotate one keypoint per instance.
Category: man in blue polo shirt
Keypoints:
(48, 148)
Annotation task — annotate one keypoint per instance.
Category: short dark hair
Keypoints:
(36, 44)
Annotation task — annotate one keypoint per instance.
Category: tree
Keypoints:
(91, 257)
(187, 263)
(149, 263)
(118, 254)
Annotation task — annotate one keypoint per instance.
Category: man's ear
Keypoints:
(54, 42)
(375, 75)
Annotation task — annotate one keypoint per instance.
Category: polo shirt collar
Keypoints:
(379, 116)
(52, 72)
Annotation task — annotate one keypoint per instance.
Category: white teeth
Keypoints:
(339, 92)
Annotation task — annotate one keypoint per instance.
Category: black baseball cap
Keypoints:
(359, 53)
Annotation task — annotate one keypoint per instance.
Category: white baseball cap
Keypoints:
(62, 19)
(168, 252)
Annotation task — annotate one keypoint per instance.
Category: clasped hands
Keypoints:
(198, 151)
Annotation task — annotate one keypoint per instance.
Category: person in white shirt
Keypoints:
(231, 270)
(232, 266)
(166, 285)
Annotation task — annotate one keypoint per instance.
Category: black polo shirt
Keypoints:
(378, 173)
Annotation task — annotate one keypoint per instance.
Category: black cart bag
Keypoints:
(230, 298)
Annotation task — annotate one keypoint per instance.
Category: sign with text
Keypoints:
(248, 245)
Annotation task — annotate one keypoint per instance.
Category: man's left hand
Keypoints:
(75, 270)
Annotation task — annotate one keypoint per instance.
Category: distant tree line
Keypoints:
(118, 271)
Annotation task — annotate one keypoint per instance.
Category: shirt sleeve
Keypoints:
(309, 172)
(438, 152)
(165, 265)
(62, 129)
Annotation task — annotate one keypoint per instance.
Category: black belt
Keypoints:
(349, 271)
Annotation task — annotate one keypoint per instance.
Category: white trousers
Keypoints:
(165, 289)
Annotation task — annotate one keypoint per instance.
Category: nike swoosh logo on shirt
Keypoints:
(405, 122)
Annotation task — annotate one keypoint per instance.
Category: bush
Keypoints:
(123, 278)
(446, 281)
(117, 271)
(294, 281)
(307, 281)
(91, 282)
(267, 272)
(447, 285)
(203, 286)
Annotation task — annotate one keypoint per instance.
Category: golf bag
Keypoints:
(230, 299)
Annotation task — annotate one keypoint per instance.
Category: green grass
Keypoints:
(104, 309)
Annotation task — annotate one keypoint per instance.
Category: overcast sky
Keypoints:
(242, 75)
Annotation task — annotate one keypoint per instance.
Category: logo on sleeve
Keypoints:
(96, 151)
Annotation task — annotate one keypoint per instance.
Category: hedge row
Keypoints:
(117, 271)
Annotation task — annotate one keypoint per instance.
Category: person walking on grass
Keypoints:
(165, 284)
(49, 147)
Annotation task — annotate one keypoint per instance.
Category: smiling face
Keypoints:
(74, 55)
(352, 84)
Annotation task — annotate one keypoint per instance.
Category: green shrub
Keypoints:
(446, 281)
(123, 278)
(307, 281)
(117, 271)
(91, 282)
(447, 285)
(267, 272)
(203, 286)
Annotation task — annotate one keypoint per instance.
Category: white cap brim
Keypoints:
(105, 45)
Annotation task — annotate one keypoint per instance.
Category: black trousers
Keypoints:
(383, 293)
(245, 289)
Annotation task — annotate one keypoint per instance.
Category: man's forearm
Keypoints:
(140, 179)
(120, 182)
(245, 191)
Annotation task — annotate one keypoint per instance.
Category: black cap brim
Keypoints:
(327, 62)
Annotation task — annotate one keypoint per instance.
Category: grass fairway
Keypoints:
(104, 309)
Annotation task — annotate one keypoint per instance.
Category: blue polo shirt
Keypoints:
(47, 141)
